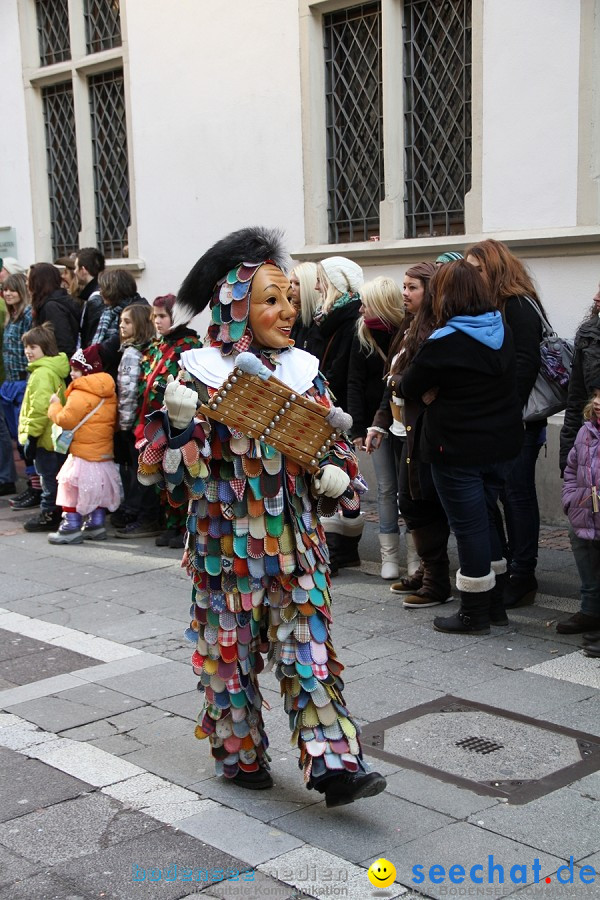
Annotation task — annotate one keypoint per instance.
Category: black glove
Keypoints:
(29, 449)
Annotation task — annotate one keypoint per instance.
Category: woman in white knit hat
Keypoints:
(339, 281)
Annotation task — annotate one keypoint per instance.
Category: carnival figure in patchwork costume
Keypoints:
(255, 548)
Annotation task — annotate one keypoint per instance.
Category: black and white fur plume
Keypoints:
(253, 245)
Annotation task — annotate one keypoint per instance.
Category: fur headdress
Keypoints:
(223, 277)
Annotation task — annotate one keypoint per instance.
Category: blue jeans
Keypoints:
(587, 560)
(387, 487)
(47, 465)
(521, 509)
(8, 472)
(469, 495)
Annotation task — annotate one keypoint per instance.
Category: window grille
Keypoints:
(53, 31)
(111, 177)
(354, 122)
(63, 184)
(102, 24)
(437, 104)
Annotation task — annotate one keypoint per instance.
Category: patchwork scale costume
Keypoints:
(256, 550)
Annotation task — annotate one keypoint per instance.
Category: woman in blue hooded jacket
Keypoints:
(470, 431)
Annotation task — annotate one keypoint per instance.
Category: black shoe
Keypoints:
(520, 590)
(120, 518)
(165, 537)
(592, 650)
(177, 542)
(9, 487)
(20, 496)
(497, 609)
(591, 637)
(461, 623)
(45, 521)
(139, 530)
(578, 624)
(29, 499)
(253, 781)
(347, 787)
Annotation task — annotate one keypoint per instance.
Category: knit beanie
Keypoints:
(88, 360)
(449, 256)
(12, 266)
(344, 274)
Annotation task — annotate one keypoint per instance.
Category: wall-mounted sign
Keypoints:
(8, 241)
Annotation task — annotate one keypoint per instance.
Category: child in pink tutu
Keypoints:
(89, 481)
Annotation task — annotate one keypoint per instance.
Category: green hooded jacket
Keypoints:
(47, 377)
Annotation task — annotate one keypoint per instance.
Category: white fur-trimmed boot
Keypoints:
(473, 616)
(390, 568)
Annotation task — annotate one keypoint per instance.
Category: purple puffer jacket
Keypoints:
(581, 474)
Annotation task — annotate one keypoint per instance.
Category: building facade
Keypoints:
(386, 131)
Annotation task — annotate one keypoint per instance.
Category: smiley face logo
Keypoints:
(381, 873)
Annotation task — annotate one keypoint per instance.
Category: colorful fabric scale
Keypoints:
(258, 558)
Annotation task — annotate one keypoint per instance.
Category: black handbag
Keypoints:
(549, 393)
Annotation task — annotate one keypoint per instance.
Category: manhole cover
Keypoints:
(489, 751)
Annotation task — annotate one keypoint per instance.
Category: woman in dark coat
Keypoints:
(510, 286)
(472, 429)
(339, 281)
(50, 302)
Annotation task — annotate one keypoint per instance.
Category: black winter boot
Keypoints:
(343, 536)
(431, 543)
(497, 611)
(473, 616)
(520, 590)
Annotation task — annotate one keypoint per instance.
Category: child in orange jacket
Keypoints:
(89, 481)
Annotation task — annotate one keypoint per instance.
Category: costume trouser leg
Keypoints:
(295, 629)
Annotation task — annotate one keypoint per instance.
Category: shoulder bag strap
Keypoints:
(546, 326)
(89, 415)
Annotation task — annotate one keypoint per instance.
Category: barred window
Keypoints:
(84, 115)
(102, 24)
(111, 177)
(53, 31)
(63, 182)
(354, 122)
(437, 115)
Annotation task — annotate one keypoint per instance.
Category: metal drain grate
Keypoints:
(479, 745)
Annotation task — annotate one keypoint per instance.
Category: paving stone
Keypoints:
(427, 791)
(143, 715)
(91, 617)
(154, 684)
(549, 823)
(137, 626)
(574, 667)
(117, 744)
(233, 832)
(19, 734)
(84, 761)
(467, 846)
(240, 889)
(16, 587)
(64, 571)
(14, 867)
(68, 599)
(159, 798)
(102, 671)
(45, 886)
(526, 693)
(186, 761)
(27, 784)
(109, 872)
(44, 688)
(451, 673)
(367, 828)
(46, 663)
(589, 785)
(313, 871)
(76, 706)
(376, 697)
(288, 794)
(73, 829)
(14, 646)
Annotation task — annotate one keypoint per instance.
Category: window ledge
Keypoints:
(583, 240)
(132, 264)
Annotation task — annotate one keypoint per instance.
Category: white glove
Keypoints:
(331, 481)
(181, 403)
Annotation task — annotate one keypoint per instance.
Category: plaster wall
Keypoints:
(530, 114)
(215, 118)
(15, 186)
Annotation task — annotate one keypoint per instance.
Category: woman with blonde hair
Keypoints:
(382, 315)
(306, 299)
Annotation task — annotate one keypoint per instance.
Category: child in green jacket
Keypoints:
(48, 369)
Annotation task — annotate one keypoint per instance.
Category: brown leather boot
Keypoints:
(431, 543)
